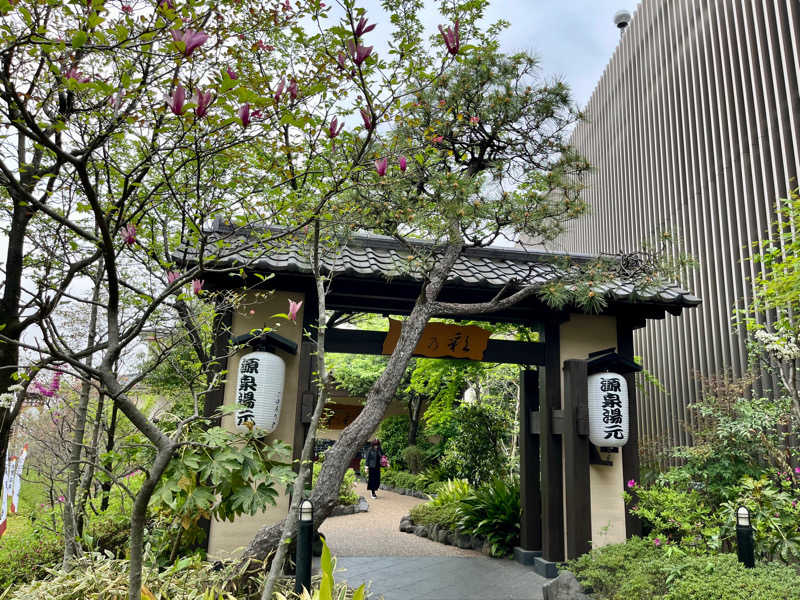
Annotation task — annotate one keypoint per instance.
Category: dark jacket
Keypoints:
(373, 457)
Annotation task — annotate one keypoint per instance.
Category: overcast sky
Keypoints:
(573, 38)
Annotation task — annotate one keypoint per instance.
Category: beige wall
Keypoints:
(229, 538)
(396, 407)
(581, 335)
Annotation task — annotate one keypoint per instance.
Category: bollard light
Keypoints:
(743, 517)
(306, 510)
(305, 527)
(745, 545)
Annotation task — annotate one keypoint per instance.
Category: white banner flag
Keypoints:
(8, 478)
(18, 479)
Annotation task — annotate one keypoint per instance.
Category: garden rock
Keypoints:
(442, 535)
(564, 587)
(477, 542)
(421, 531)
(363, 505)
(486, 549)
(463, 541)
(450, 539)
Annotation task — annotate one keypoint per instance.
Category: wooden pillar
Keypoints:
(306, 379)
(630, 451)
(220, 350)
(576, 459)
(215, 397)
(530, 491)
(551, 464)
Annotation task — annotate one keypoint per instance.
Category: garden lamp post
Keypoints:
(744, 538)
(305, 526)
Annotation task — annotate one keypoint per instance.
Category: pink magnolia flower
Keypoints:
(797, 470)
(73, 73)
(244, 114)
(451, 38)
(197, 286)
(293, 308)
(191, 39)
(631, 483)
(656, 542)
(293, 90)
(173, 276)
(335, 128)
(177, 100)
(61, 499)
(474, 120)
(286, 6)
(367, 119)
(129, 234)
(232, 74)
(358, 52)
(203, 101)
(380, 166)
(403, 163)
(166, 4)
(279, 91)
(363, 28)
(127, 9)
(437, 139)
(340, 59)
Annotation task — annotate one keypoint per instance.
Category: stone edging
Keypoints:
(350, 509)
(408, 492)
(443, 535)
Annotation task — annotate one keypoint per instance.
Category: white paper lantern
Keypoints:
(259, 390)
(608, 410)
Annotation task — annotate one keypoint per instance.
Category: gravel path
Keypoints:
(377, 533)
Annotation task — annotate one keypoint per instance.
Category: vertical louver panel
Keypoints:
(694, 128)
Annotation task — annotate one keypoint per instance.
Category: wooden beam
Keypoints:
(530, 490)
(576, 461)
(630, 451)
(552, 476)
(356, 341)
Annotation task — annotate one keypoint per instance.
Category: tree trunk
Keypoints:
(325, 494)
(91, 459)
(139, 519)
(72, 547)
(414, 413)
(112, 429)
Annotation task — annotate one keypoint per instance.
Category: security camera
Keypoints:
(622, 19)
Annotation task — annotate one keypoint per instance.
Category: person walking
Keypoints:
(373, 464)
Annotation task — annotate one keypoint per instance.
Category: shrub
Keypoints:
(30, 547)
(722, 576)
(628, 571)
(445, 515)
(393, 434)
(413, 458)
(639, 570)
(775, 516)
(476, 453)
(678, 516)
(493, 511)
(452, 491)
(347, 494)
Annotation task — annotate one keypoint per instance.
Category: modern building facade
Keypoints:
(694, 129)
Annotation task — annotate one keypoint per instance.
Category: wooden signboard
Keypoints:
(441, 340)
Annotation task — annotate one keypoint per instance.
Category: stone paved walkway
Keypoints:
(369, 547)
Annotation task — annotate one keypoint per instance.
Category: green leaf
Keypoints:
(79, 39)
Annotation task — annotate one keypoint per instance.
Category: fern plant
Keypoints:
(493, 512)
(451, 491)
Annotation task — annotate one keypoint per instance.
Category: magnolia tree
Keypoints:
(459, 145)
(127, 127)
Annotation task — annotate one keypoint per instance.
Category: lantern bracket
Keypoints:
(609, 360)
(268, 341)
